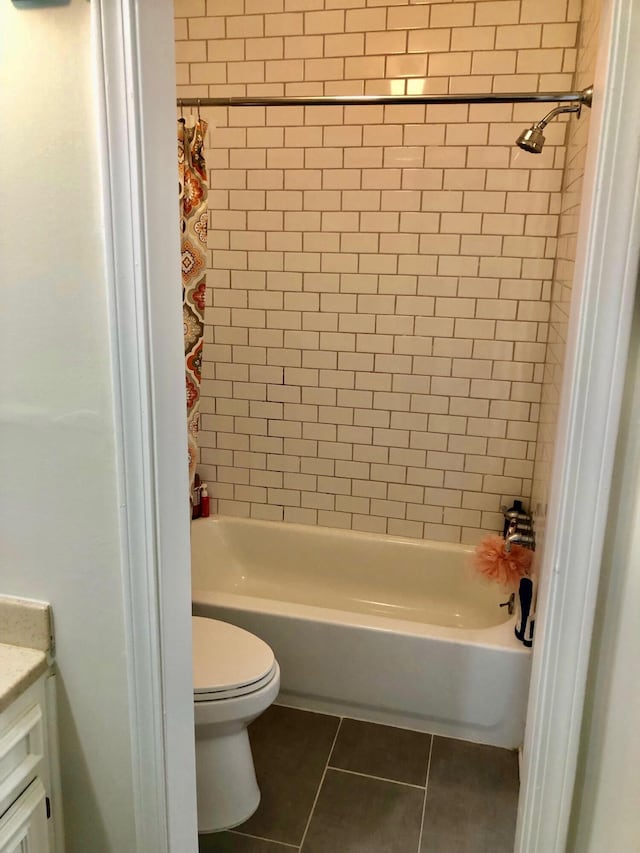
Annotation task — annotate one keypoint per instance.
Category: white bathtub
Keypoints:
(382, 628)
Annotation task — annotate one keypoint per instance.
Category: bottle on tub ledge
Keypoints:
(526, 611)
(204, 501)
(195, 497)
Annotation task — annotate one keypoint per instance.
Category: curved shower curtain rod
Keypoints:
(584, 98)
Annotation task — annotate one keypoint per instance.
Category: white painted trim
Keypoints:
(139, 168)
(604, 288)
(56, 830)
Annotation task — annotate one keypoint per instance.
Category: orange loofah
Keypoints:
(506, 568)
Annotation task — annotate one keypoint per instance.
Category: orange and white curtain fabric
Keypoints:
(192, 173)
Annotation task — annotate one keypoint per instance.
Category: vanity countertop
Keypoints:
(19, 667)
(26, 644)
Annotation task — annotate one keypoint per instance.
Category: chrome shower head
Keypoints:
(532, 139)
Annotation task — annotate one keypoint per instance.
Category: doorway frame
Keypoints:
(137, 148)
(135, 72)
(604, 288)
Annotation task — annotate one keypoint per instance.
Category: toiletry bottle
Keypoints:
(525, 609)
(204, 501)
(195, 497)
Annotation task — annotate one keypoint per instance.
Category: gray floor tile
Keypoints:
(383, 751)
(230, 842)
(472, 799)
(290, 751)
(357, 814)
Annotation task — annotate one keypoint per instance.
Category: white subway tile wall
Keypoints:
(380, 277)
(587, 50)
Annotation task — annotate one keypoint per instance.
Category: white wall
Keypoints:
(605, 812)
(59, 527)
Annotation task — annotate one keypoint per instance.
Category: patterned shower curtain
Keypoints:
(193, 233)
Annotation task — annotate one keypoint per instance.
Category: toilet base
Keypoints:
(228, 792)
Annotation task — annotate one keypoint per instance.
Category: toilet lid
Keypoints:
(226, 657)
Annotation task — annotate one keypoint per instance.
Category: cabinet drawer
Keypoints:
(23, 829)
(21, 744)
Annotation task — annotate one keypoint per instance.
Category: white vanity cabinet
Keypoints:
(24, 829)
(27, 772)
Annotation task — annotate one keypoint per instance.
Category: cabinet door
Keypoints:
(22, 744)
(23, 829)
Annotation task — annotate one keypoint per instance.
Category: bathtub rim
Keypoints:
(495, 637)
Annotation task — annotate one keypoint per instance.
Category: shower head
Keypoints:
(532, 138)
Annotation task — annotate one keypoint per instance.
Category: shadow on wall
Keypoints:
(77, 785)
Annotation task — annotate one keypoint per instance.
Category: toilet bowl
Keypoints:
(235, 678)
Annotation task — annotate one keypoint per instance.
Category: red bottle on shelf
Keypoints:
(195, 497)
(204, 501)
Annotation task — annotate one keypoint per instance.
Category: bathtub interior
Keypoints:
(412, 580)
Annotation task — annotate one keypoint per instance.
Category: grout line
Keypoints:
(313, 807)
(377, 778)
(403, 728)
(308, 710)
(335, 740)
(262, 838)
(426, 790)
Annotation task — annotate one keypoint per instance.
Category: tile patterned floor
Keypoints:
(332, 785)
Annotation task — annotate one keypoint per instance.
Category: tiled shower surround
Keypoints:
(380, 277)
(576, 157)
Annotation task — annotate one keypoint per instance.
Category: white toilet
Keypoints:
(235, 678)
